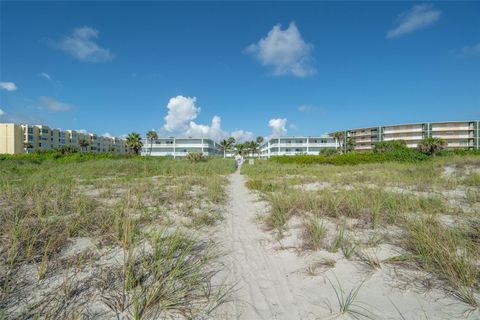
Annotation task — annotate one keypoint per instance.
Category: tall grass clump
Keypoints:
(446, 252)
(314, 233)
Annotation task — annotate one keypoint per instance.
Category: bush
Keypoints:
(328, 151)
(385, 146)
(196, 157)
(354, 158)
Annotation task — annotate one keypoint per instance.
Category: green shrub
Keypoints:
(385, 146)
(354, 158)
(328, 151)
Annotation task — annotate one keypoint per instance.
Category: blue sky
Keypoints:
(210, 68)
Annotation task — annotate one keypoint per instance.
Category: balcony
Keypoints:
(402, 130)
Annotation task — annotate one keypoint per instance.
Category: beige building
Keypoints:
(15, 138)
(11, 138)
(457, 134)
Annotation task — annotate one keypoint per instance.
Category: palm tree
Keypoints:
(151, 136)
(231, 141)
(240, 148)
(338, 135)
(134, 142)
(431, 146)
(255, 147)
(224, 146)
(259, 140)
(84, 143)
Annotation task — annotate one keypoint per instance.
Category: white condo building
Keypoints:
(286, 146)
(179, 147)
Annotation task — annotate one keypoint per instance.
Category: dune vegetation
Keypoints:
(428, 211)
(98, 235)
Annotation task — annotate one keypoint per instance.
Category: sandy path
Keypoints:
(264, 290)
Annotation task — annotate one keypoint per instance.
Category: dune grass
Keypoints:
(412, 197)
(120, 204)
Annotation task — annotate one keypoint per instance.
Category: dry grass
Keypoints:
(439, 234)
(133, 270)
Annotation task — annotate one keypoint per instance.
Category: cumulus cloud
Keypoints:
(83, 131)
(473, 50)
(278, 127)
(54, 105)
(418, 17)
(9, 86)
(82, 46)
(181, 111)
(2, 113)
(284, 51)
(179, 120)
(107, 135)
(242, 135)
(46, 76)
(213, 131)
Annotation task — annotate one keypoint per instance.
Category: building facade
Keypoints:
(179, 147)
(31, 138)
(285, 146)
(11, 138)
(457, 134)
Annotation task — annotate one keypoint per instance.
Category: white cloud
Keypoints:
(107, 135)
(46, 76)
(305, 108)
(179, 120)
(54, 105)
(9, 86)
(181, 111)
(212, 131)
(83, 131)
(418, 17)
(285, 51)
(473, 50)
(81, 45)
(242, 136)
(278, 127)
(2, 113)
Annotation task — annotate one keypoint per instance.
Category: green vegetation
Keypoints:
(131, 222)
(431, 146)
(385, 146)
(353, 158)
(134, 143)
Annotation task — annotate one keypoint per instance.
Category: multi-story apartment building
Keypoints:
(284, 146)
(30, 138)
(11, 138)
(457, 134)
(179, 147)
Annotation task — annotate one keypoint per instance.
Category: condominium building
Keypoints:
(179, 147)
(29, 138)
(457, 134)
(284, 146)
(11, 138)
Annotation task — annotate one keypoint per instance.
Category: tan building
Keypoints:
(11, 138)
(16, 138)
(457, 134)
